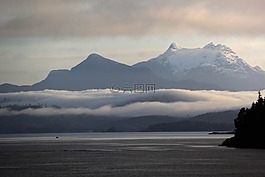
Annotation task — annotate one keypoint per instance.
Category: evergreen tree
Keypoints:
(249, 126)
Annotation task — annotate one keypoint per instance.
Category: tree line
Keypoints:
(249, 126)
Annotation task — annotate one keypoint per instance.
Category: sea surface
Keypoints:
(186, 154)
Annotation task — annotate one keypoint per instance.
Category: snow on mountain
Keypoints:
(215, 64)
(173, 47)
(219, 56)
(210, 67)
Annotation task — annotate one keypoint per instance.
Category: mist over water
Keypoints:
(172, 102)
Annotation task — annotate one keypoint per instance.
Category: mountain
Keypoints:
(226, 117)
(215, 121)
(88, 123)
(135, 124)
(211, 67)
(13, 88)
(98, 72)
(213, 64)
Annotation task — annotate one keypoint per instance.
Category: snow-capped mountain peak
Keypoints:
(212, 63)
(209, 46)
(183, 59)
(174, 47)
(218, 48)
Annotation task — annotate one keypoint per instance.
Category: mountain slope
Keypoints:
(213, 67)
(13, 88)
(216, 121)
(213, 121)
(87, 123)
(213, 64)
(97, 72)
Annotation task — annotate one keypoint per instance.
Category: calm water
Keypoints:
(126, 154)
(113, 136)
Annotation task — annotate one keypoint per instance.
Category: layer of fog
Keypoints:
(173, 102)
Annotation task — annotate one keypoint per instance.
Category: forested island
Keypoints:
(249, 127)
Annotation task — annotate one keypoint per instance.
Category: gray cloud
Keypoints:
(172, 102)
(125, 17)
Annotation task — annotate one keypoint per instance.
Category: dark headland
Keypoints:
(249, 127)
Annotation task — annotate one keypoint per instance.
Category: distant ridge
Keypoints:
(213, 64)
(90, 123)
(213, 67)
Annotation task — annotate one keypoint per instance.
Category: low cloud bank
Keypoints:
(172, 102)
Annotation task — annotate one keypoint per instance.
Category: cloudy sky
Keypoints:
(37, 36)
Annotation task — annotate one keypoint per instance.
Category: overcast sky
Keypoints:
(37, 36)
